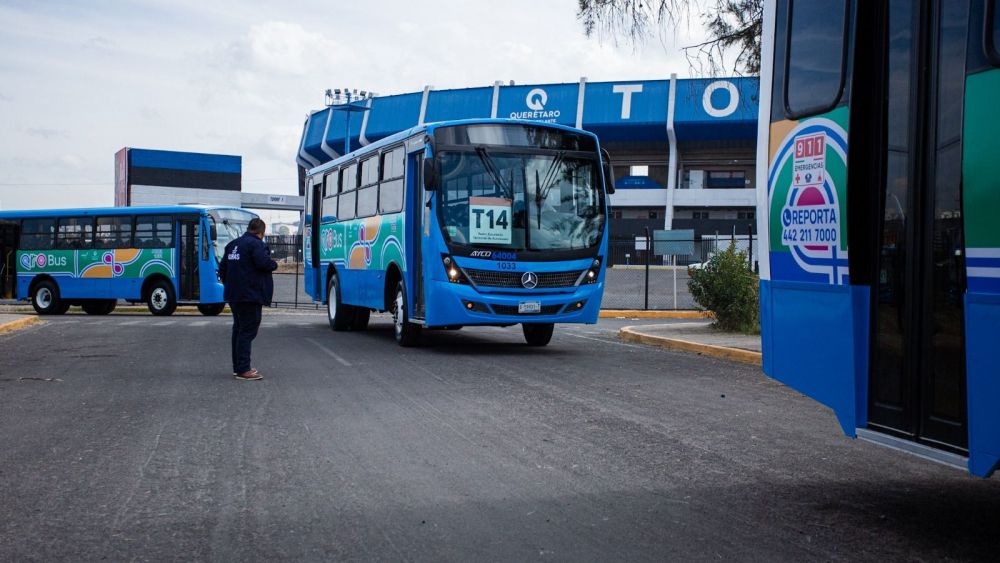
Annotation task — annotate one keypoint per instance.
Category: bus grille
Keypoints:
(512, 310)
(491, 278)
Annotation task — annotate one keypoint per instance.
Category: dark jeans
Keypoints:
(246, 321)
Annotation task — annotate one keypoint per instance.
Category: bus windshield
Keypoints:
(230, 224)
(520, 201)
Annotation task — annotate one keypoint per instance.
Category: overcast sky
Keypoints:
(80, 80)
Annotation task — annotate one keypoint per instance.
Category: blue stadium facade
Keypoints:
(683, 149)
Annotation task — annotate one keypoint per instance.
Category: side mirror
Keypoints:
(430, 175)
(609, 171)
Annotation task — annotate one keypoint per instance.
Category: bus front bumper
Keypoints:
(451, 304)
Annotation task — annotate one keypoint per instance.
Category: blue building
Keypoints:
(683, 149)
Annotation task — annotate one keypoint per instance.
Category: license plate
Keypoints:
(529, 307)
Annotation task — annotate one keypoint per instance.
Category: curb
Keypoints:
(641, 314)
(724, 352)
(14, 326)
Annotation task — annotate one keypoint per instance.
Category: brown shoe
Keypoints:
(251, 369)
(251, 375)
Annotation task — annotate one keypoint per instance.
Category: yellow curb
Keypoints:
(639, 314)
(19, 324)
(723, 352)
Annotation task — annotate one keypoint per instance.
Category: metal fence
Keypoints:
(636, 277)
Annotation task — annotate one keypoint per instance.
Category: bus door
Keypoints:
(316, 217)
(9, 232)
(189, 247)
(418, 219)
(917, 383)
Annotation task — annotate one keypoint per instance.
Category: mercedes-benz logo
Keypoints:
(529, 280)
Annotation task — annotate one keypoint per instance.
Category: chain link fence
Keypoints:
(636, 277)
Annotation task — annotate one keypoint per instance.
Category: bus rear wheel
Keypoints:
(341, 316)
(211, 309)
(100, 307)
(160, 299)
(407, 333)
(537, 334)
(45, 299)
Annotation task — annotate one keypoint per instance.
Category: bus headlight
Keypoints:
(451, 269)
(593, 272)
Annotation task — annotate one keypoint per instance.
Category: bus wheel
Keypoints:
(341, 316)
(211, 309)
(161, 300)
(101, 307)
(361, 318)
(407, 333)
(46, 301)
(537, 334)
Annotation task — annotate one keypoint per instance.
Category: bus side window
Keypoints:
(992, 32)
(368, 193)
(331, 185)
(164, 231)
(814, 73)
(348, 193)
(390, 199)
(113, 232)
(75, 233)
(144, 231)
(37, 234)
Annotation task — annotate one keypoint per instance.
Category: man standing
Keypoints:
(246, 273)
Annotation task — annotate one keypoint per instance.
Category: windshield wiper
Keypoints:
(491, 169)
(551, 176)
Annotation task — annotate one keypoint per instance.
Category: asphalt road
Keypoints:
(126, 438)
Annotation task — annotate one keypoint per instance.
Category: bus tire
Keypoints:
(341, 316)
(361, 317)
(99, 307)
(161, 300)
(407, 333)
(45, 299)
(211, 309)
(537, 334)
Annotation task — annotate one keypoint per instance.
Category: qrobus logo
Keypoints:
(40, 261)
(536, 100)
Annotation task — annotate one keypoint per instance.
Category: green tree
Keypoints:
(733, 27)
(728, 287)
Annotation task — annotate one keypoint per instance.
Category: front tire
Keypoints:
(211, 309)
(407, 333)
(161, 300)
(537, 334)
(45, 299)
(341, 316)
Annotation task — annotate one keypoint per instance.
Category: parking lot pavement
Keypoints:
(127, 438)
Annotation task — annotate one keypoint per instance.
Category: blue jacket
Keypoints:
(246, 271)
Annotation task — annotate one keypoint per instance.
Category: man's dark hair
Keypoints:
(256, 226)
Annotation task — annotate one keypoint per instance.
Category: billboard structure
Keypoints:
(158, 177)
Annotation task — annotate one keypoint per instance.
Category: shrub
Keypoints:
(728, 287)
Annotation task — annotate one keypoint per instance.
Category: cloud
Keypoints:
(46, 133)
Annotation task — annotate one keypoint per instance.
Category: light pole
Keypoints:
(348, 101)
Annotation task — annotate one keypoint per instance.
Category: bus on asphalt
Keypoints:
(163, 256)
(450, 224)
(879, 196)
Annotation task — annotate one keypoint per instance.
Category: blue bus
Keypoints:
(473, 222)
(163, 256)
(879, 193)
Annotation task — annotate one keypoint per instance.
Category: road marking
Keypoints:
(606, 341)
(199, 323)
(330, 352)
(164, 323)
(129, 323)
